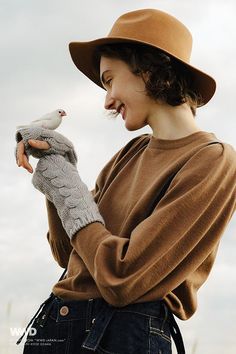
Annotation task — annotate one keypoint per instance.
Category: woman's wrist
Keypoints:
(60, 182)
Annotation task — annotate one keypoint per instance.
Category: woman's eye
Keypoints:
(108, 82)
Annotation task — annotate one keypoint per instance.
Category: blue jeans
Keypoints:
(73, 327)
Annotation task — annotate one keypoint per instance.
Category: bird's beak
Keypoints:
(63, 113)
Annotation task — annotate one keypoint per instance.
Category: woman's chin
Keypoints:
(132, 126)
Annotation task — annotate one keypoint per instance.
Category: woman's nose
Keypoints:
(109, 102)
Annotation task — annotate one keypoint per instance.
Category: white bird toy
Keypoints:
(50, 120)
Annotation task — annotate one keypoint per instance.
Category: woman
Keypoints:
(140, 245)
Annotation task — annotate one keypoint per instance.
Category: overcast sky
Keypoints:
(38, 76)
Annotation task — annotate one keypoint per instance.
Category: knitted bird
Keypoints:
(50, 120)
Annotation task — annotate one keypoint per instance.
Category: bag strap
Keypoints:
(51, 296)
(63, 274)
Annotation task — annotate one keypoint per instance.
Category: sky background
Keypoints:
(38, 76)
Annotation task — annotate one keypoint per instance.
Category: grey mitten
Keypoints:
(60, 182)
(59, 144)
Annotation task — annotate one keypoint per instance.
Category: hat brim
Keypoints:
(82, 54)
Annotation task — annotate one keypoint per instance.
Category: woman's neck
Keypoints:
(172, 122)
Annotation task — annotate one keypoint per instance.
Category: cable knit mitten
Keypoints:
(59, 144)
(60, 182)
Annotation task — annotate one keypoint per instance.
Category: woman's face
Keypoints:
(125, 93)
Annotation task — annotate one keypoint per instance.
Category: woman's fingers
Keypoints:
(20, 152)
(27, 165)
(39, 144)
(22, 159)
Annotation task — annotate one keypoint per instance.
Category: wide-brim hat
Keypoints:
(154, 28)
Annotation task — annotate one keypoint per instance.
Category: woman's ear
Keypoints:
(146, 76)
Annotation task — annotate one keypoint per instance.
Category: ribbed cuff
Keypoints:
(87, 218)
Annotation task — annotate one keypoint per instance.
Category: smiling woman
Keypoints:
(125, 93)
(139, 96)
(140, 245)
(164, 77)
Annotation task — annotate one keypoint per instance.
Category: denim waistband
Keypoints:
(64, 310)
(98, 313)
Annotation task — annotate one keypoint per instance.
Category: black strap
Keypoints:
(51, 296)
(176, 334)
(174, 328)
(36, 314)
(63, 274)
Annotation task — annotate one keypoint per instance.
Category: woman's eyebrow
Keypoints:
(102, 76)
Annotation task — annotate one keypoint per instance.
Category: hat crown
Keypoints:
(156, 28)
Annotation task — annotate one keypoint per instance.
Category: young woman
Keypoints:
(138, 247)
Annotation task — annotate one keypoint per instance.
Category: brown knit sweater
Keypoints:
(151, 249)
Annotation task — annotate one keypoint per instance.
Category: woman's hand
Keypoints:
(22, 159)
(38, 142)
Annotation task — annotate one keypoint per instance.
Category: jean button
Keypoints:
(64, 310)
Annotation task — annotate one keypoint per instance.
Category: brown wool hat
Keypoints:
(154, 28)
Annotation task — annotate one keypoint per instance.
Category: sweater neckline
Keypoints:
(157, 143)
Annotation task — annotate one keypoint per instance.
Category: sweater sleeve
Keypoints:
(56, 235)
(175, 243)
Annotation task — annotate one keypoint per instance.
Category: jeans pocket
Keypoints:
(126, 333)
(159, 336)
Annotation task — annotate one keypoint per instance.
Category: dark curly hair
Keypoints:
(169, 80)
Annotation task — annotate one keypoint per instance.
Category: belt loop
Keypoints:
(98, 328)
(89, 315)
(44, 318)
(166, 314)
